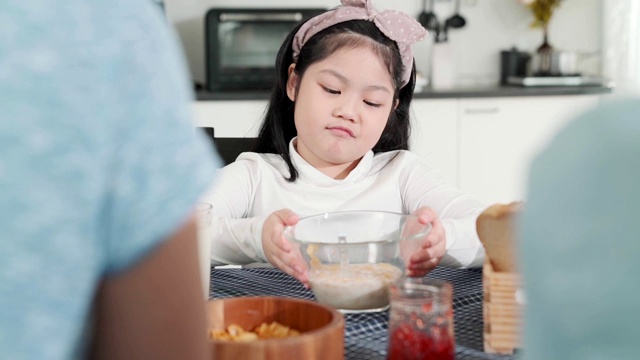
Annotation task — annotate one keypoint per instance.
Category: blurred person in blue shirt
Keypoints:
(100, 171)
(580, 240)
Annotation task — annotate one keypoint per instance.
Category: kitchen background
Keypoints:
(597, 29)
(478, 134)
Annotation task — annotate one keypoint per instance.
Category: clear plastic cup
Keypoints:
(204, 245)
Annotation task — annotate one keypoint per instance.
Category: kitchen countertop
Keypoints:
(463, 92)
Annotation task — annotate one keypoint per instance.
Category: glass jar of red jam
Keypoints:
(421, 320)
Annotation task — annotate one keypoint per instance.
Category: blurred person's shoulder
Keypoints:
(598, 145)
(614, 124)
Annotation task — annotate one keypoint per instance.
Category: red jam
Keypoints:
(406, 343)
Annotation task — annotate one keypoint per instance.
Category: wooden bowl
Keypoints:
(321, 328)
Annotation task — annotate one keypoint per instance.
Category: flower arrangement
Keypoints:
(542, 11)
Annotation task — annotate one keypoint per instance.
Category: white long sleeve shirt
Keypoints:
(248, 190)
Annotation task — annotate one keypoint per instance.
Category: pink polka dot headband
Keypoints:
(397, 26)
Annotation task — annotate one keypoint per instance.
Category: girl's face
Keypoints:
(342, 105)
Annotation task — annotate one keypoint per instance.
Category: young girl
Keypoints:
(334, 138)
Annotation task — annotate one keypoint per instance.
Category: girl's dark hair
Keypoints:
(278, 126)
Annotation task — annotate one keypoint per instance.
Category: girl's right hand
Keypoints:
(278, 250)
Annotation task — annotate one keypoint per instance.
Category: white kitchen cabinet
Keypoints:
(498, 138)
(434, 134)
(433, 126)
(483, 145)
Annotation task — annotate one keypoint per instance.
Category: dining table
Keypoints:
(365, 334)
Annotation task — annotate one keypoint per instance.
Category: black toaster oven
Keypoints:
(242, 43)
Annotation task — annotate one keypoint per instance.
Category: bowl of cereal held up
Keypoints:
(352, 256)
(266, 328)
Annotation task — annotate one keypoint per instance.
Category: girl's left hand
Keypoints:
(432, 247)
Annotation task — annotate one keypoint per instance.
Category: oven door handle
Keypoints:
(230, 16)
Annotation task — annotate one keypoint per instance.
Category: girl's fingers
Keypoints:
(292, 264)
(280, 242)
(432, 247)
(280, 252)
(277, 262)
(435, 237)
(284, 217)
(287, 217)
(423, 255)
(430, 242)
(427, 243)
(293, 271)
(423, 268)
(289, 263)
(425, 215)
(426, 264)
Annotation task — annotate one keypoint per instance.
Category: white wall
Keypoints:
(621, 45)
(492, 26)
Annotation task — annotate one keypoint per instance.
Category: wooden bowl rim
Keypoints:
(337, 320)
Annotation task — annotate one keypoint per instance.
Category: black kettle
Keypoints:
(513, 63)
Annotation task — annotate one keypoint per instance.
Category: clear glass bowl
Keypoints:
(352, 256)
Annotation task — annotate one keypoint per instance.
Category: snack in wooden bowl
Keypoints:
(243, 319)
(272, 330)
(496, 230)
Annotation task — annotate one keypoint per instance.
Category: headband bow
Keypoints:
(397, 26)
